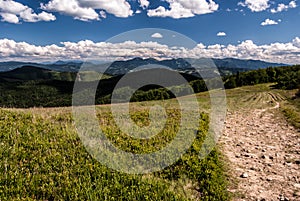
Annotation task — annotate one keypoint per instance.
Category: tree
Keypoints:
(298, 93)
(231, 83)
(271, 74)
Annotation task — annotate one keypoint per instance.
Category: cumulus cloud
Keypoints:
(275, 52)
(119, 8)
(86, 10)
(296, 42)
(221, 34)
(184, 9)
(269, 22)
(144, 3)
(255, 5)
(71, 8)
(282, 7)
(13, 12)
(293, 4)
(29, 16)
(102, 14)
(157, 35)
(10, 18)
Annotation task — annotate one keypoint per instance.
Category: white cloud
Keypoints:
(293, 4)
(72, 8)
(12, 7)
(119, 8)
(86, 10)
(29, 16)
(144, 3)
(269, 22)
(275, 52)
(176, 11)
(8, 17)
(157, 35)
(282, 7)
(13, 12)
(184, 9)
(296, 42)
(102, 14)
(221, 34)
(10, 48)
(255, 5)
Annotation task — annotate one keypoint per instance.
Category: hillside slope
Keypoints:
(262, 148)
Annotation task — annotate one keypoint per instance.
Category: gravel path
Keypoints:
(264, 153)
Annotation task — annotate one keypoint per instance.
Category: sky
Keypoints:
(50, 30)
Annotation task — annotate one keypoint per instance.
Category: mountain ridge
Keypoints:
(225, 66)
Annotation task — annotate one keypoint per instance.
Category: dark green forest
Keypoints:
(58, 92)
(287, 77)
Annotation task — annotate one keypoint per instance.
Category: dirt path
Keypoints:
(264, 153)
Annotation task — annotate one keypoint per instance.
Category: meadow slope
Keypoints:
(261, 146)
(42, 157)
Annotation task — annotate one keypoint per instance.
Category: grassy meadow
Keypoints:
(42, 157)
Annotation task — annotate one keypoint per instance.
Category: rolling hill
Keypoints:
(26, 73)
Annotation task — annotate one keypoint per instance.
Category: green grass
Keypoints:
(291, 108)
(42, 158)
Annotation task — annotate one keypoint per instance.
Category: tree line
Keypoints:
(287, 77)
(55, 93)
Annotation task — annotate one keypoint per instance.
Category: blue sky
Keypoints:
(207, 22)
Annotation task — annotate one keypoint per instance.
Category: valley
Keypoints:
(45, 158)
(139, 100)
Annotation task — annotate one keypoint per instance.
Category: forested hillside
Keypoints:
(55, 89)
(287, 77)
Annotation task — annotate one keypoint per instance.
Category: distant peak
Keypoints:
(61, 62)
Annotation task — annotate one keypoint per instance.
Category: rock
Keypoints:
(288, 164)
(297, 185)
(263, 156)
(296, 194)
(244, 175)
(283, 198)
(264, 153)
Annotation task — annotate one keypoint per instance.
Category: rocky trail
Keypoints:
(263, 151)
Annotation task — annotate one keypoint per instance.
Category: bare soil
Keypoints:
(263, 151)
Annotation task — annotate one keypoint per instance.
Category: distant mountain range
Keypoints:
(66, 70)
(59, 66)
(225, 66)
